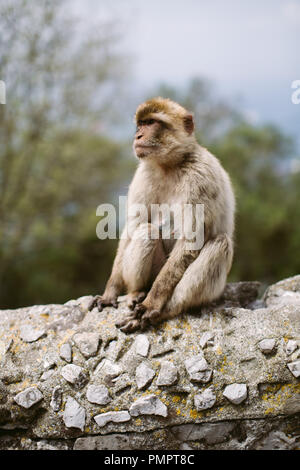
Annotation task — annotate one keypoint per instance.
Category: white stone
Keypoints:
(198, 369)
(65, 352)
(149, 405)
(98, 394)
(294, 368)
(87, 343)
(47, 374)
(112, 416)
(28, 397)
(236, 393)
(74, 374)
(168, 374)
(267, 345)
(205, 400)
(29, 334)
(142, 345)
(108, 368)
(206, 339)
(56, 398)
(143, 375)
(74, 414)
(49, 362)
(291, 347)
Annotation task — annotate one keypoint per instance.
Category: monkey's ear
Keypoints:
(188, 122)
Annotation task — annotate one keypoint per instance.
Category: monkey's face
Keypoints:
(159, 141)
(148, 138)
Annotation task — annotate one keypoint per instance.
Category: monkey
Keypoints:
(163, 278)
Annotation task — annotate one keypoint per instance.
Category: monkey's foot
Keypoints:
(101, 302)
(140, 319)
(150, 317)
(129, 323)
(134, 298)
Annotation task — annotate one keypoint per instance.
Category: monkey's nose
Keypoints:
(139, 136)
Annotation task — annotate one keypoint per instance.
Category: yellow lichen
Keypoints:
(176, 399)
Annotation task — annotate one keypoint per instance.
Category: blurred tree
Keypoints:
(55, 167)
(57, 163)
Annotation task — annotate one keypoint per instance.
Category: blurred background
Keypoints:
(75, 72)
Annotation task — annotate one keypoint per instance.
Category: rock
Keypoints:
(74, 414)
(142, 345)
(108, 369)
(49, 362)
(56, 398)
(294, 368)
(198, 369)
(87, 343)
(47, 374)
(30, 334)
(291, 347)
(236, 393)
(98, 394)
(143, 375)
(205, 400)
(267, 346)
(28, 397)
(149, 405)
(166, 414)
(65, 352)
(168, 374)
(239, 294)
(211, 433)
(286, 292)
(112, 416)
(206, 339)
(74, 375)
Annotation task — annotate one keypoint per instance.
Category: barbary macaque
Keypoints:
(164, 276)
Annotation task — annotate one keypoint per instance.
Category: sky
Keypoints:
(248, 49)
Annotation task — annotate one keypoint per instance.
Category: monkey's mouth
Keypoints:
(144, 147)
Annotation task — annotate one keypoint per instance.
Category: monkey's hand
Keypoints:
(103, 301)
(134, 298)
(147, 315)
(140, 319)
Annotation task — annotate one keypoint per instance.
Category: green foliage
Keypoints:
(55, 165)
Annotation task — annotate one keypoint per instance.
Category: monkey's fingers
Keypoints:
(131, 326)
(135, 299)
(100, 302)
(151, 317)
(125, 320)
(139, 310)
(93, 302)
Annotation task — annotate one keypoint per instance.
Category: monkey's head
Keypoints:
(164, 133)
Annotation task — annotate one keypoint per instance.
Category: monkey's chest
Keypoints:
(167, 216)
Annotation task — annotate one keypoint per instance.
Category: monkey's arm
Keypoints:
(115, 283)
(169, 276)
(150, 310)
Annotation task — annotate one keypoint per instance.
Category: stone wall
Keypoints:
(224, 377)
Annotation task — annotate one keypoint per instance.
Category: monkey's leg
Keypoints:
(203, 281)
(142, 260)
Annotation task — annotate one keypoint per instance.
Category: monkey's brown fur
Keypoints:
(164, 277)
